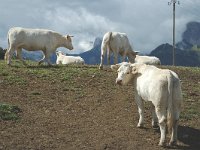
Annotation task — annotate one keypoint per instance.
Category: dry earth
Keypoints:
(80, 107)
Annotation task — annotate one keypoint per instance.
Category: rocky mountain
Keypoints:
(182, 57)
(187, 51)
(190, 37)
(93, 56)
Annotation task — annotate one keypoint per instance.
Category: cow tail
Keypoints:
(170, 109)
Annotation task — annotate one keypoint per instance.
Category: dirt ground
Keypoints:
(88, 111)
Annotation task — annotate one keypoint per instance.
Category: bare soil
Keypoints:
(86, 111)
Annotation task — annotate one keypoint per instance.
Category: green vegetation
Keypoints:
(9, 112)
(196, 48)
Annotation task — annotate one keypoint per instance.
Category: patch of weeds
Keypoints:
(80, 94)
(66, 77)
(66, 89)
(9, 112)
(35, 93)
(190, 113)
(4, 73)
(15, 80)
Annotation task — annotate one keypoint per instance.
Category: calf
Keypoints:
(149, 60)
(65, 60)
(161, 87)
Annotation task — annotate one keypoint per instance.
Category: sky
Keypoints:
(148, 23)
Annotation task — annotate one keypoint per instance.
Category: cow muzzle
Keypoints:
(119, 81)
(71, 48)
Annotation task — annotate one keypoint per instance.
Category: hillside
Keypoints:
(81, 107)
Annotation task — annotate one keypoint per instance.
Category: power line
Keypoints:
(174, 4)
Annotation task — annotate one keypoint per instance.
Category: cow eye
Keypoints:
(128, 73)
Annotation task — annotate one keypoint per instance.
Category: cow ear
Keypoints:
(136, 52)
(134, 69)
(69, 36)
(115, 67)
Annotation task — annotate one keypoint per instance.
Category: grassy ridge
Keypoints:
(19, 75)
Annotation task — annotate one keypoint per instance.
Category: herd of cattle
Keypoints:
(161, 87)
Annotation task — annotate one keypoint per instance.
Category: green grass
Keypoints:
(9, 112)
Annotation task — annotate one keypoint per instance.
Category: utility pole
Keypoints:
(174, 4)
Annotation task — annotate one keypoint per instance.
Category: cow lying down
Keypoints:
(161, 87)
(65, 60)
(149, 60)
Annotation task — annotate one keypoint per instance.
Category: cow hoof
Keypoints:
(162, 144)
(172, 143)
(140, 126)
(100, 67)
(155, 126)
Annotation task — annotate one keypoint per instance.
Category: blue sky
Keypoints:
(147, 23)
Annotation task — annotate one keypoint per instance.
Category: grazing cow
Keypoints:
(35, 39)
(161, 87)
(117, 43)
(65, 60)
(149, 60)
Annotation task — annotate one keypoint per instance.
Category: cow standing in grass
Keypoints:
(161, 87)
(117, 43)
(35, 39)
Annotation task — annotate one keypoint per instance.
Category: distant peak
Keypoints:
(97, 42)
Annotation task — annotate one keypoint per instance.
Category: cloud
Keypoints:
(84, 25)
(148, 24)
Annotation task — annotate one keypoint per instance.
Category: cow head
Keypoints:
(126, 72)
(68, 43)
(59, 53)
(131, 56)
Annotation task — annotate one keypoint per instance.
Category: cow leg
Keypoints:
(103, 50)
(161, 114)
(48, 55)
(9, 54)
(123, 59)
(42, 60)
(173, 139)
(140, 105)
(108, 57)
(19, 55)
(115, 58)
(154, 117)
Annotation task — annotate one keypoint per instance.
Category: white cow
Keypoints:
(161, 87)
(63, 59)
(35, 39)
(149, 60)
(117, 43)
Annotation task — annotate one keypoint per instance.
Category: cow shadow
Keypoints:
(190, 137)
